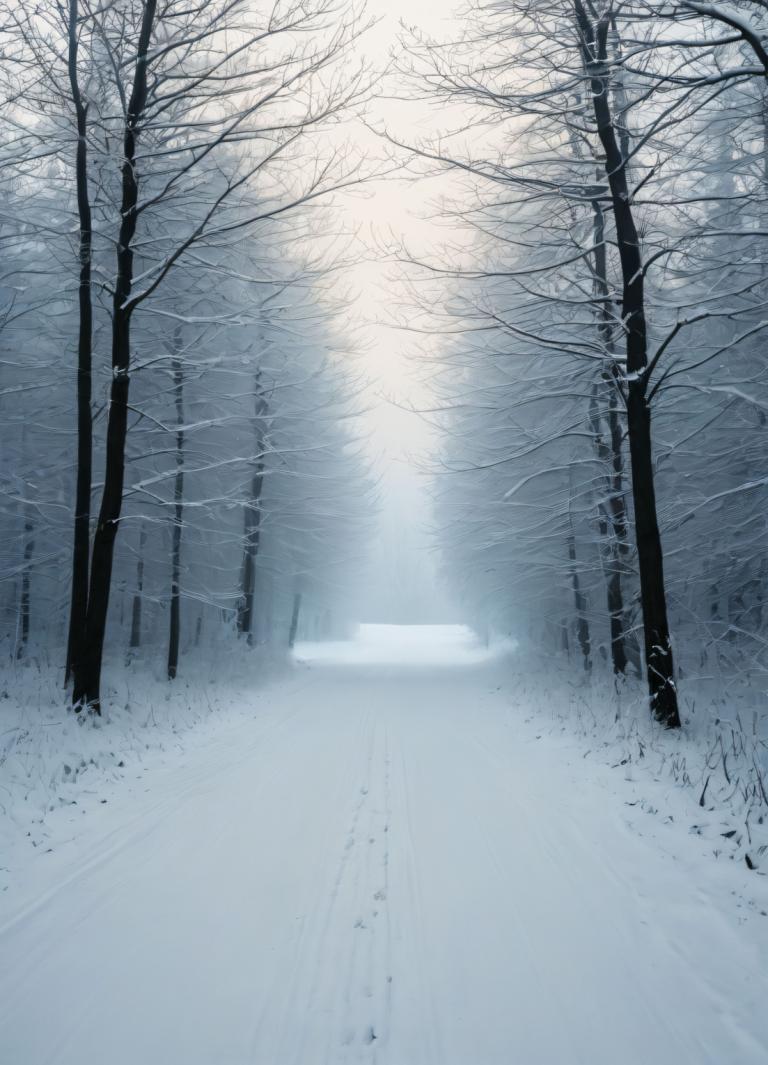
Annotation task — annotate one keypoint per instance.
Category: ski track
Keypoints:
(387, 870)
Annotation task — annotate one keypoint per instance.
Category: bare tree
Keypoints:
(593, 35)
(566, 143)
(81, 547)
(159, 101)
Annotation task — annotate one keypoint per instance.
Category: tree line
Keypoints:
(179, 440)
(601, 373)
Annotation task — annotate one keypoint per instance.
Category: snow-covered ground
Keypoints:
(382, 857)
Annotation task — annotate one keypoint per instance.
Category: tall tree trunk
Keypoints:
(178, 516)
(25, 599)
(82, 519)
(612, 526)
(252, 520)
(294, 620)
(610, 453)
(88, 670)
(619, 547)
(135, 641)
(580, 607)
(658, 647)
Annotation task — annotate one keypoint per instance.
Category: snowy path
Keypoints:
(393, 871)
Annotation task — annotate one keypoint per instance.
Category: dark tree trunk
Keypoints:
(618, 544)
(88, 669)
(580, 606)
(135, 641)
(294, 620)
(25, 599)
(612, 528)
(615, 535)
(178, 516)
(566, 643)
(658, 647)
(252, 521)
(81, 545)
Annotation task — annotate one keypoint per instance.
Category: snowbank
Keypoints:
(709, 778)
(52, 760)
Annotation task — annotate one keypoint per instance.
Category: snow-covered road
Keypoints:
(389, 868)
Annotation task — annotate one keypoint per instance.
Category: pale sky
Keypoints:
(392, 209)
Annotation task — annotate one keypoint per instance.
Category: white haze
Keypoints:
(315, 811)
(403, 582)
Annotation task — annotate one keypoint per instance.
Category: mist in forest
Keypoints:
(356, 338)
(383, 532)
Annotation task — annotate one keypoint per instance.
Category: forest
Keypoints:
(384, 402)
(159, 229)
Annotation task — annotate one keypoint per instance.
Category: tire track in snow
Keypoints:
(357, 1033)
(203, 777)
(499, 898)
(135, 834)
(341, 983)
(334, 981)
(269, 1037)
(430, 1029)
